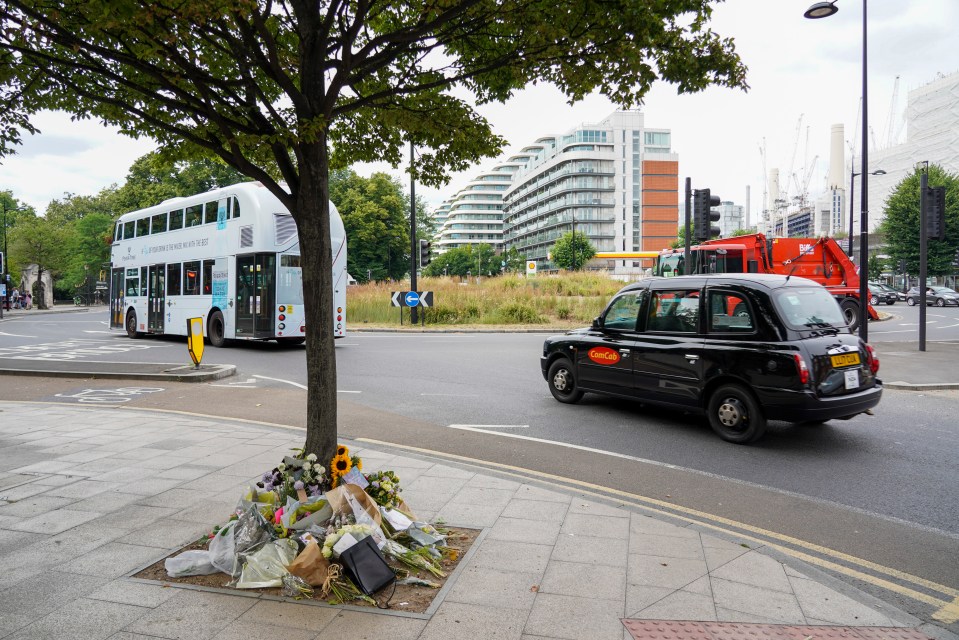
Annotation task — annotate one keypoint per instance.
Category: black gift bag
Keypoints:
(366, 567)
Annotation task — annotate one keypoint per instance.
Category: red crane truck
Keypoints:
(819, 259)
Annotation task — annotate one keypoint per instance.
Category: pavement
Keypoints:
(89, 496)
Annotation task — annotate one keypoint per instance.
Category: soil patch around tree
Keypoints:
(407, 597)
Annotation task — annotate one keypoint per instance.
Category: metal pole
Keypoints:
(689, 203)
(923, 260)
(414, 257)
(573, 213)
(864, 213)
(852, 198)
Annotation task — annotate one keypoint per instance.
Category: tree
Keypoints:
(288, 89)
(875, 267)
(41, 242)
(573, 251)
(374, 212)
(901, 223)
(14, 213)
(469, 260)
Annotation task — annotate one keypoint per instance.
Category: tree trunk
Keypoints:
(313, 226)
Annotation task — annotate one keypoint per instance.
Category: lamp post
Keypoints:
(852, 175)
(824, 10)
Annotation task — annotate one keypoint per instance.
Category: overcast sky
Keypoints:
(798, 69)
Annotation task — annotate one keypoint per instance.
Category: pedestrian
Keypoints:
(29, 301)
(16, 298)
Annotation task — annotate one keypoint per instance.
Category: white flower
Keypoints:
(311, 457)
(319, 468)
(281, 467)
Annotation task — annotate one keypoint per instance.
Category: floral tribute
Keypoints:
(290, 529)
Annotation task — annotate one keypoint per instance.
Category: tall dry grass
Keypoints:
(562, 300)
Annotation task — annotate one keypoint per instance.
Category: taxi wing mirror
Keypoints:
(598, 322)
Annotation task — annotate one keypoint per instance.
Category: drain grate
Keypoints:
(692, 630)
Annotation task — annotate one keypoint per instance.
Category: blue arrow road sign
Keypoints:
(412, 299)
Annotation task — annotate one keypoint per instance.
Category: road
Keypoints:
(880, 489)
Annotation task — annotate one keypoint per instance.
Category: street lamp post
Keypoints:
(824, 10)
(852, 175)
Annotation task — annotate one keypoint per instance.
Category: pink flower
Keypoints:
(278, 515)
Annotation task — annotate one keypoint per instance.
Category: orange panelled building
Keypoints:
(660, 204)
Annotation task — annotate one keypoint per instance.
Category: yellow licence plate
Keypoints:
(845, 359)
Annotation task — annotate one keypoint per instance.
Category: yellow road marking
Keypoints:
(949, 613)
(600, 491)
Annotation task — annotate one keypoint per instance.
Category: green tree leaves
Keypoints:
(573, 251)
(901, 223)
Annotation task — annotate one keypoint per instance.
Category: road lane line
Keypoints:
(664, 507)
(295, 384)
(482, 427)
(949, 613)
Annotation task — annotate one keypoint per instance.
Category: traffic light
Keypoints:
(425, 252)
(935, 202)
(704, 215)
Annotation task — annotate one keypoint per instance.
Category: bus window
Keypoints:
(191, 278)
(173, 279)
(176, 219)
(132, 282)
(194, 215)
(158, 223)
(209, 212)
(128, 228)
(143, 227)
(143, 281)
(118, 233)
(207, 277)
(236, 208)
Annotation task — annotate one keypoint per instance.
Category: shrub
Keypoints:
(518, 313)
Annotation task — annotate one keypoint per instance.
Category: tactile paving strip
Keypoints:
(693, 630)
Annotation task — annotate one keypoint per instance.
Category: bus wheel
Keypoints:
(290, 342)
(215, 329)
(132, 324)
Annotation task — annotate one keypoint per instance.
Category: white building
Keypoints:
(732, 217)
(932, 135)
(475, 214)
(615, 181)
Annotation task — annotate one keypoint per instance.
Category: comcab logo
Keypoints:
(603, 355)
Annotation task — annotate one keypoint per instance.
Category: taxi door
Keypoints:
(668, 354)
(604, 359)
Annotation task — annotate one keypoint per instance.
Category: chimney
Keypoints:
(837, 162)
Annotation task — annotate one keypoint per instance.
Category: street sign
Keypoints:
(412, 299)
(531, 267)
(194, 339)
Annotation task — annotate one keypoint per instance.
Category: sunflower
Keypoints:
(342, 451)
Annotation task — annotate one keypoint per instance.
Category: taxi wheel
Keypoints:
(132, 325)
(735, 415)
(562, 382)
(215, 330)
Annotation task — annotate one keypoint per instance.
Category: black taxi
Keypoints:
(741, 348)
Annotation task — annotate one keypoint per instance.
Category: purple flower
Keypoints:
(268, 486)
(298, 485)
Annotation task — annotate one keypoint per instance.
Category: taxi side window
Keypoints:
(674, 310)
(624, 312)
(729, 313)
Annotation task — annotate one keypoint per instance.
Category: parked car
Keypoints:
(739, 348)
(939, 296)
(879, 292)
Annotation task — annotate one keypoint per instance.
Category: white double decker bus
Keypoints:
(230, 256)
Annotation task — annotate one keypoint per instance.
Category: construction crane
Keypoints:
(792, 162)
(893, 124)
(765, 208)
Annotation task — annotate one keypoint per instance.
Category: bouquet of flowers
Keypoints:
(341, 464)
(384, 488)
(295, 474)
(358, 531)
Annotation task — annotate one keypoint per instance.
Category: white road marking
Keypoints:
(295, 384)
(249, 383)
(15, 335)
(481, 427)
(452, 395)
(345, 391)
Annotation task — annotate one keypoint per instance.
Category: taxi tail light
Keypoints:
(801, 368)
(872, 358)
